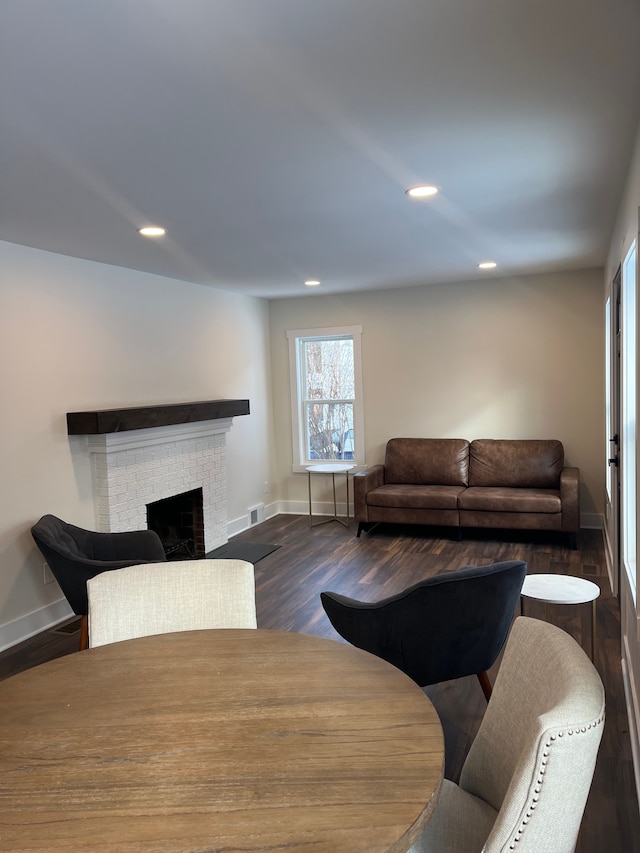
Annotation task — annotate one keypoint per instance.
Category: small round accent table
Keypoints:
(564, 589)
(333, 469)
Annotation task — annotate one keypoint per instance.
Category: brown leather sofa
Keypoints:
(491, 483)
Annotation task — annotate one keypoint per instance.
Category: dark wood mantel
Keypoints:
(145, 417)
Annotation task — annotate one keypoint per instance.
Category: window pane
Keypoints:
(629, 404)
(327, 413)
(329, 430)
(329, 369)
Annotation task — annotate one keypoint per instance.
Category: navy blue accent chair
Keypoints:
(452, 625)
(75, 555)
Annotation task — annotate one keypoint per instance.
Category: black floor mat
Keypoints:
(249, 551)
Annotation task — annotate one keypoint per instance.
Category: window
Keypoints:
(326, 395)
(607, 399)
(629, 406)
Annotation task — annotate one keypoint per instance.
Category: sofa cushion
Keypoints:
(427, 461)
(415, 497)
(529, 464)
(510, 500)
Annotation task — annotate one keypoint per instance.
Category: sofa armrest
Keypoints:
(570, 498)
(364, 482)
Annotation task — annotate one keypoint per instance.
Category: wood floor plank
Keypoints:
(386, 561)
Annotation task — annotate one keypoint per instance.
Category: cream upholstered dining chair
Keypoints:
(160, 598)
(525, 781)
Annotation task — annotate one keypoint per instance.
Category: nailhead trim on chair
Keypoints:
(541, 772)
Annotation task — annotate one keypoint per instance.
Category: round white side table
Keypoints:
(333, 469)
(563, 589)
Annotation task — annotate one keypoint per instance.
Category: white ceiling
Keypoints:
(274, 139)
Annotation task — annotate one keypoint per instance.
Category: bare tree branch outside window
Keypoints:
(328, 397)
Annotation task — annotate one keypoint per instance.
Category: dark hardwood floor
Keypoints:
(385, 561)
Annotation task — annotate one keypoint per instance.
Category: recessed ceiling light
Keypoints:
(312, 282)
(422, 191)
(487, 265)
(152, 231)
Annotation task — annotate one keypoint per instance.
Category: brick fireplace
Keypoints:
(134, 465)
(131, 470)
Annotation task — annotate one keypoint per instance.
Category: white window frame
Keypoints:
(629, 393)
(300, 463)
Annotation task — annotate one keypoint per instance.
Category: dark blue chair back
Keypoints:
(74, 554)
(451, 625)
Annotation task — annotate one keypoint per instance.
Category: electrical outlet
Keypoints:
(266, 489)
(47, 576)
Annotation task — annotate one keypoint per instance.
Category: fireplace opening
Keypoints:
(179, 522)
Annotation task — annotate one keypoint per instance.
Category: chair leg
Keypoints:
(483, 678)
(84, 633)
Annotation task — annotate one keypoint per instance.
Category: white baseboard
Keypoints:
(239, 525)
(633, 714)
(20, 629)
(319, 508)
(588, 520)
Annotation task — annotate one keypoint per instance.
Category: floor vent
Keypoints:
(256, 514)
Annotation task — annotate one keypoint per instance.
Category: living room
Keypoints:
(487, 354)
(517, 358)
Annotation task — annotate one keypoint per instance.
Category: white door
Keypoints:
(612, 490)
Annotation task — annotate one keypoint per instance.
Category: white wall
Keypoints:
(493, 358)
(77, 335)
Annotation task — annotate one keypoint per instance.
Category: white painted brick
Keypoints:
(126, 480)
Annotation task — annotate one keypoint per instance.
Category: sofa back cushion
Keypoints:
(528, 464)
(427, 461)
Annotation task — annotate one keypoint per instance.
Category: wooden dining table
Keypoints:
(221, 740)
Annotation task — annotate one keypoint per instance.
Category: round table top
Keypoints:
(560, 589)
(243, 740)
(331, 468)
